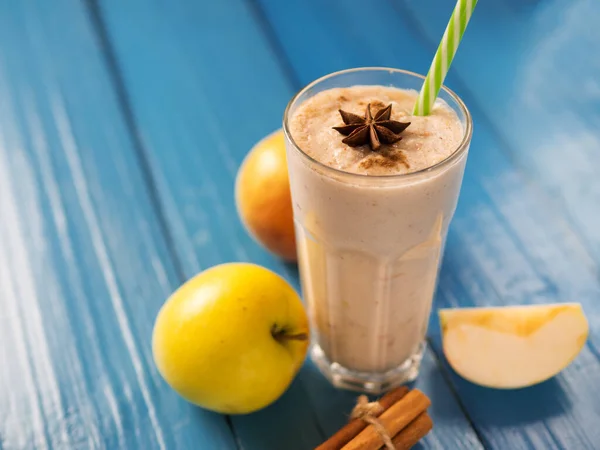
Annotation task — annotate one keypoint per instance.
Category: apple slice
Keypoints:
(514, 346)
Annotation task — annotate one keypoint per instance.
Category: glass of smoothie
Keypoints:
(371, 218)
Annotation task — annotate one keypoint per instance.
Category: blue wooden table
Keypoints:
(119, 144)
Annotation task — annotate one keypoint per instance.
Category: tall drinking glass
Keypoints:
(369, 248)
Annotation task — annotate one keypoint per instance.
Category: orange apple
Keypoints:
(263, 197)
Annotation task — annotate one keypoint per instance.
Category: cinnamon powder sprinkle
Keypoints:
(376, 104)
(388, 160)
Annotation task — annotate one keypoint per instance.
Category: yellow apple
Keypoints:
(512, 347)
(232, 338)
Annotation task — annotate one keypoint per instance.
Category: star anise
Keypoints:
(369, 129)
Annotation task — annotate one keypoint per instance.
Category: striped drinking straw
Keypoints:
(443, 57)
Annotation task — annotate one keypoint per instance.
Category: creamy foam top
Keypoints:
(427, 141)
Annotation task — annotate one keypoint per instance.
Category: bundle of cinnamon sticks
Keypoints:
(401, 412)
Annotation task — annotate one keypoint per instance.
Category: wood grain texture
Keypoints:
(204, 84)
(513, 239)
(84, 265)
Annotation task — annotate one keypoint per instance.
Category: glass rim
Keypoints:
(458, 151)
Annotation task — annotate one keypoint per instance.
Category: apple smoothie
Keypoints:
(371, 222)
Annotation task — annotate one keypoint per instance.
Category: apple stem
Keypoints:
(282, 336)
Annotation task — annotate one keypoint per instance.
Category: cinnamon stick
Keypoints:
(397, 417)
(413, 433)
(355, 426)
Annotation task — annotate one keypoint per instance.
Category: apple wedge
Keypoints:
(514, 346)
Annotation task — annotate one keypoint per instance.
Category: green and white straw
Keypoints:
(443, 57)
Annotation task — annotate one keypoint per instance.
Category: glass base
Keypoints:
(367, 382)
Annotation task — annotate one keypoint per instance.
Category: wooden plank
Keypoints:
(507, 245)
(84, 265)
(190, 72)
